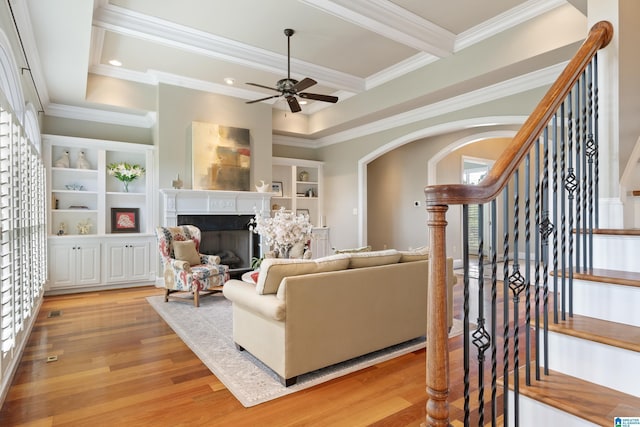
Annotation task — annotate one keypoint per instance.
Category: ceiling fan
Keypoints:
(290, 88)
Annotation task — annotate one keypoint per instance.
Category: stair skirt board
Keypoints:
(594, 362)
(606, 301)
(534, 413)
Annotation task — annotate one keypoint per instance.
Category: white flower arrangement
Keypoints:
(125, 172)
(283, 230)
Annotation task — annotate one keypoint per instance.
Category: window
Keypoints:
(22, 231)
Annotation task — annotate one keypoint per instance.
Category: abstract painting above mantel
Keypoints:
(221, 157)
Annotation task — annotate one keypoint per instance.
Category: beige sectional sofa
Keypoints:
(303, 315)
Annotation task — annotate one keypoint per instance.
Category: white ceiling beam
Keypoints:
(133, 24)
(393, 22)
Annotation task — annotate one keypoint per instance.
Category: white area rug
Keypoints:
(247, 378)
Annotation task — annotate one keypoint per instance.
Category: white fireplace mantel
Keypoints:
(211, 202)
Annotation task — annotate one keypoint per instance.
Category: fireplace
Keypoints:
(223, 218)
(227, 236)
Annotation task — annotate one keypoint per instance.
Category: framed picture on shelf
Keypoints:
(125, 220)
(304, 212)
(276, 188)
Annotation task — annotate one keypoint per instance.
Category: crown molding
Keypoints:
(510, 87)
(412, 63)
(143, 120)
(292, 141)
(134, 24)
(391, 21)
(509, 19)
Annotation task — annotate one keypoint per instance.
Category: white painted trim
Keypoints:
(392, 22)
(419, 134)
(510, 87)
(434, 160)
(143, 120)
(138, 25)
(502, 22)
(395, 71)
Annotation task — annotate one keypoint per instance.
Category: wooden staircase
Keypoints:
(594, 355)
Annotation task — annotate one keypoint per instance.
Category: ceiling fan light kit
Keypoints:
(290, 88)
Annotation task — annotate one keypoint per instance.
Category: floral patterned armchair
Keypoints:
(185, 268)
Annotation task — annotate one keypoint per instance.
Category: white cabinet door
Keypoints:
(116, 254)
(61, 266)
(139, 261)
(128, 261)
(75, 264)
(87, 264)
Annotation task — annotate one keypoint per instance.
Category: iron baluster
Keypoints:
(465, 310)
(570, 185)
(480, 336)
(578, 204)
(555, 217)
(546, 227)
(505, 292)
(494, 312)
(583, 160)
(591, 152)
(527, 266)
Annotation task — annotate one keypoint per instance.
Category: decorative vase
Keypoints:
(126, 186)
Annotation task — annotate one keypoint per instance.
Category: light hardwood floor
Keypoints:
(120, 364)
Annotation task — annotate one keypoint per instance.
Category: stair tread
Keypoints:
(602, 275)
(598, 330)
(617, 231)
(592, 402)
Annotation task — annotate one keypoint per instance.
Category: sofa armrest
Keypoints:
(244, 294)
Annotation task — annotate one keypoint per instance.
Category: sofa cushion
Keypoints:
(273, 270)
(332, 263)
(372, 259)
(186, 251)
(415, 254)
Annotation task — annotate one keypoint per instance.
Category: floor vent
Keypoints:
(55, 313)
(52, 359)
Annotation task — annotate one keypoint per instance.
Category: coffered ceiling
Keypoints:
(349, 47)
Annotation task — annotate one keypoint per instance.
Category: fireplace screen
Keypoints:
(227, 236)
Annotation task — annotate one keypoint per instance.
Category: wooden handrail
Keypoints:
(457, 194)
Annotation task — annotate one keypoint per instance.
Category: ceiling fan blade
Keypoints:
(261, 99)
(293, 104)
(318, 97)
(303, 84)
(263, 86)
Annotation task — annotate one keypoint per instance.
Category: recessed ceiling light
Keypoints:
(115, 63)
(229, 80)
(302, 102)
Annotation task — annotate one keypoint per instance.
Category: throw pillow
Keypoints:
(415, 254)
(186, 251)
(273, 270)
(353, 250)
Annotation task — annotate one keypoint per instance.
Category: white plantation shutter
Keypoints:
(22, 229)
(7, 329)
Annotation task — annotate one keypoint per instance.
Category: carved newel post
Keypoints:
(437, 328)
